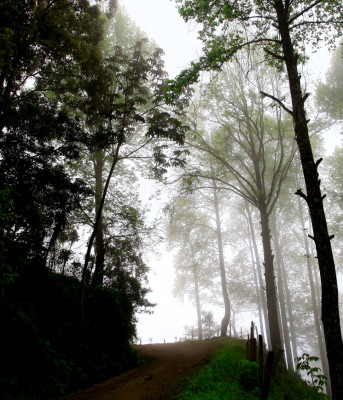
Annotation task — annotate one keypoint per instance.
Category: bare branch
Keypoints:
(301, 194)
(264, 94)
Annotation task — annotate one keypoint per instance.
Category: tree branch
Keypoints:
(304, 11)
(271, 53)
(264, 94)
(301, 194)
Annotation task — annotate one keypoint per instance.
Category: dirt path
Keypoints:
(157, 379)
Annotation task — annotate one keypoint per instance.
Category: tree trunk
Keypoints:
(257, 286)
(308, 255)
(290, 308)
(98, 276)
(197, 303)
(281, 291)
(271, 292)
(314, 199)
(272, 303)
(260, 278)
(226, 318)
(92, 237)
(259, 306)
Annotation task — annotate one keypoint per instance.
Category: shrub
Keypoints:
(45, 349)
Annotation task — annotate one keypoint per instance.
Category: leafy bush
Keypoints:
(249, 376)
(318, 380)
(45, 349)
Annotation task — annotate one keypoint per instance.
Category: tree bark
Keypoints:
(281, 291)
(314, 199)
(259, 306)
(260, 278)
(98, 276)
(227, 306)
(308, 255)
(257, 286)
(92, 237)
(290, 308)
(197, 303)
(271, 291)
(272, 303)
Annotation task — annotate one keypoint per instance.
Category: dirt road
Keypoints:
(159, 378)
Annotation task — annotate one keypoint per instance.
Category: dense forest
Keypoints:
(87, 110)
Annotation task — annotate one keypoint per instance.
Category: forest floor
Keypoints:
(168, 368)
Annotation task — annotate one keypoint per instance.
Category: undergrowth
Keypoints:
(230, 376)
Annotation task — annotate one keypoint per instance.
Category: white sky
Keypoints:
(161, 22)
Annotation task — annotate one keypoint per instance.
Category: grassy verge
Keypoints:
(229, 376)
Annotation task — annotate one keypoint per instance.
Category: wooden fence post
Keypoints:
(252, 346)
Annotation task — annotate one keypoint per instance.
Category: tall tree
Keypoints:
(209, 198)
(194, 263)
(253, 149)
(225, 294)
(281, 28)
(39, 40)
(126, 114)
(47, 40)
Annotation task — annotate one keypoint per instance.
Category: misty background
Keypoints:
(161, 22)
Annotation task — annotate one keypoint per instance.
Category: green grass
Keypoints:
(229, 376)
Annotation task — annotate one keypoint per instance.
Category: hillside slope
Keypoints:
(156, 379)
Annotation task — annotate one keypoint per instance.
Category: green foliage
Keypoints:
(318, 380)
(39, 38)
(7, 272)
(229, 376)
(61, 94)
(330, 94)
(228, 26)
(46, 351)
(249, 377)
(42, 43)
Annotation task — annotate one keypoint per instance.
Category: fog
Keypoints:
(159, 188)
(161, 22)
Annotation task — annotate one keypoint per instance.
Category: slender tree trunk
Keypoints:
(226, 318)
(233, 323)
(92, 237)
(259, 306)
(308, 255)
(98, 276)
(272, 302)
(290, 309)
(314, 199)
(260, 278)
(271, 291)
(197, 303)
(257, 286)
(281, 291)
